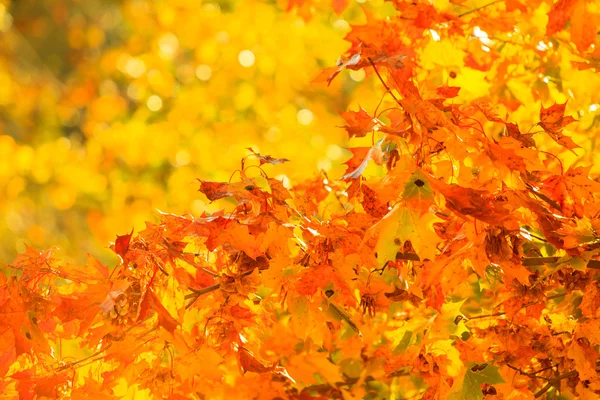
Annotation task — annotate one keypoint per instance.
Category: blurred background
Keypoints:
(110, 109)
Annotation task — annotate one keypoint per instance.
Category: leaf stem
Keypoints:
(529, 374)
(387, 88)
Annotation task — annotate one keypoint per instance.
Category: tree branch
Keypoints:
(554, 382)
(197, 293)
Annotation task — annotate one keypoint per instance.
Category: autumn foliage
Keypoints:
(456, 257)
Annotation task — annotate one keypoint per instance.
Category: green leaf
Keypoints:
(474, 378)
(404, 343)
(418, 190)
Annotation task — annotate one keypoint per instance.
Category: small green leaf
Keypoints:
(476, 375)
(404, 343)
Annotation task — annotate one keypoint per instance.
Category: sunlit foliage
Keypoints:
(454, 255)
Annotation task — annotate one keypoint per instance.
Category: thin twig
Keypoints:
(485, 316)
(387, 88)
(544, 369)
(478, 8)
(529, 374)
(556, 296)
(73, 363)
(531, 261)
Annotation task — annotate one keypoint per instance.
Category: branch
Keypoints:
(197, 293)
(554, 382)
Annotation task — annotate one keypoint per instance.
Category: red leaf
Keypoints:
(448, 91)
(552, 120)
(583, 26)
(559, 16)
(215, 190)
(436, 298)
(122, 244)
(240, 312)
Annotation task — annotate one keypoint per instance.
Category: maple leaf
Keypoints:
(267, 159)
(403, 224)
(475, 203)
(572, 190)
(33, 385)
(475, 376)
(355, 171)
(215, 190)
(117, 289)
(371, 203)
(447, 92)
(418, 193)
(32, 260)
(559, 15)
(329, 74)
(507, 157)
(359, 122)
(121, 245)
(583, 26)
(552, 120)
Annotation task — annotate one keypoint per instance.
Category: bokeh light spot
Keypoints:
(246, 58)
(203, 72)
(304, 116)
(154, 103)
(183, 158)
(168, 45)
